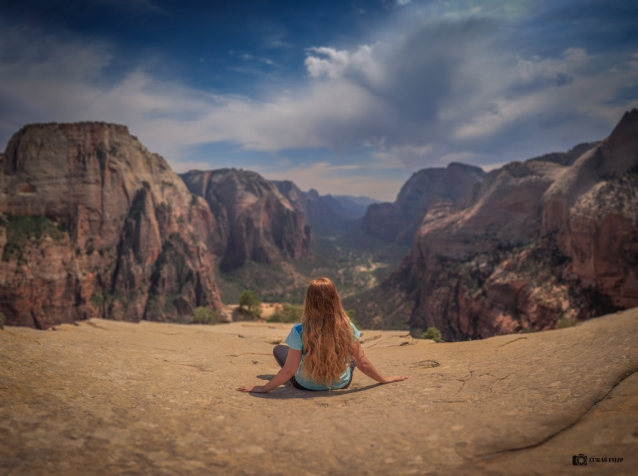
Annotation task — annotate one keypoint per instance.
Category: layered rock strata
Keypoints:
(93, 224)
(257, 223)
(398, 221)
(542, 243)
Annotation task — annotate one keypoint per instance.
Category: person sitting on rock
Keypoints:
(321, 348)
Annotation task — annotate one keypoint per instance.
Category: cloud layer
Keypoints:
(426, 91)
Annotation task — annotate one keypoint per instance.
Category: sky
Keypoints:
(347, 97)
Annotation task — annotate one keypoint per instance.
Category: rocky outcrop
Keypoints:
(327, 215)
(398, 221)
(540, 244)
(593, 209)
(257, 223)
(93, 224)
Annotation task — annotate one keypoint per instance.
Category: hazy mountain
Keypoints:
(327, 214)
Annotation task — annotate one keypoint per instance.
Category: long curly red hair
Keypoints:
(327, 334)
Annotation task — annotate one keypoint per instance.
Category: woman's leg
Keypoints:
(280, 352)
(352, 367)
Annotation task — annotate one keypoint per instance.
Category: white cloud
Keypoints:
(427, 92)
(337, 180)
(570, 85)
(333, 66)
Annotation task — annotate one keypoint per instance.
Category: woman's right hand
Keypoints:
(395, 378)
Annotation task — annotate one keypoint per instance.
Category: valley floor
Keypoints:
(107, 397)
(355, 262)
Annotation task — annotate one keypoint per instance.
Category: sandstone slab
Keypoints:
(107, 397)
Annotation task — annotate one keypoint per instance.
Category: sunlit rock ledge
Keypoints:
(107, 397)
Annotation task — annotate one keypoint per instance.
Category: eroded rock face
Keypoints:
(96, 225)
(399, 221)
(541, 243)
(593, 209)
(257, 222)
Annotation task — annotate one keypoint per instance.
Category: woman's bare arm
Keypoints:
(287, 371)
(364, 364)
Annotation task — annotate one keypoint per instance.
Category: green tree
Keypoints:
(350, 313)
(287, 313)
(204, 315)
(433, 333)
(249, 305)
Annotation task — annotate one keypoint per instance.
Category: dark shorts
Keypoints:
(280, 353)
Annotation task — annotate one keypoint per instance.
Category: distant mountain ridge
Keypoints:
(356, 206)
(327, 214)
(399, 220)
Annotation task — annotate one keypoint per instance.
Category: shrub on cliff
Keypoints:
(287, 313)
(21, 229)
(204, 315)
(249, 305)
(350, 313)
(564, 322)
(433, 333)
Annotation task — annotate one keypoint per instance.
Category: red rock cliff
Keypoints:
(257, 222)
(93, 224)
(398, 221)
(542, 243)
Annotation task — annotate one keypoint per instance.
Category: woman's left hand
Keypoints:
(252, 388)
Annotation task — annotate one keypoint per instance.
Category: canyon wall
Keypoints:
(93, 224)
(256, 222)
(539, 244)
(398, 221)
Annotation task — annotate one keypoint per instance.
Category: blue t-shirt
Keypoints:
(295, 341)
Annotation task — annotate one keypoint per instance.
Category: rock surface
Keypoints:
(93, 224)
(399, 220)
(545, 242)
(109, 397)
(257, 223)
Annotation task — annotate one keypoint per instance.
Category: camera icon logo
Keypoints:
(579, 460)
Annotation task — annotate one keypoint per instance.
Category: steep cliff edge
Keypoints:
(542, 243)
(93, 224)
(398, 221)
(257, 222)
(593, 209)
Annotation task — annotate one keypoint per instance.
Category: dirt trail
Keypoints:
(108, 397)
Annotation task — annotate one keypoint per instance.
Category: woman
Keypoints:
(321, 348)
